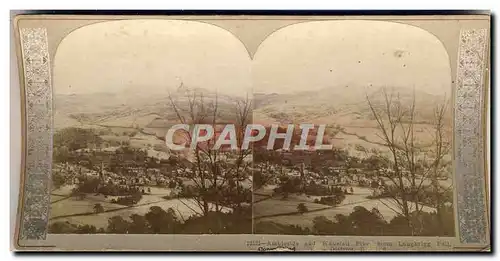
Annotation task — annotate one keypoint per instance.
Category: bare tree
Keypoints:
(441, 148)
(412, 163)
(216, 173)
(388, 118)
(264, 174)
(243, 112)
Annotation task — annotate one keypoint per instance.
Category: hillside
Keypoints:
(128, 109)
(345, 111)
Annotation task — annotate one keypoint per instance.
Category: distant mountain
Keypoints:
(347, 115)
(130, 108)
(333, 103)
(345, 106)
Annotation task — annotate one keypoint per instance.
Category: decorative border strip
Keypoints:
(469, 158)
(38, 98)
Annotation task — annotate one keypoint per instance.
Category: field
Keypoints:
(285, 211)
(184, 208)
(277, 206)
(67, 208)
(73, 206)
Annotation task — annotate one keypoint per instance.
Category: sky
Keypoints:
(150, 56)
(154, 56)
(339, 54)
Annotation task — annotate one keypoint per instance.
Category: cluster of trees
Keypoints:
(68, 142)
(58, 180)
(363, 222)
(128, 200)
(314, 189)
(129, 195)
(95, 185)
(69, 228)
(160, 221)
(333, 200)
(372, 223)
(271, 164)
(427, 194)
(74, 138)
(289, 185)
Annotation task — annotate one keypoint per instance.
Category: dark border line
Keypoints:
(255, 12)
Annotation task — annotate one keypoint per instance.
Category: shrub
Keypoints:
(128, 200)
(302, 208)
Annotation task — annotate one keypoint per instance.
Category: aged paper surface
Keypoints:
(253, 133)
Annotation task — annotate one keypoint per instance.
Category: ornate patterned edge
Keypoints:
(38, 157)
(469, 156)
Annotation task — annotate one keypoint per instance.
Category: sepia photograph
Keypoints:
(383, 92)
(253, 133)
(112, 170)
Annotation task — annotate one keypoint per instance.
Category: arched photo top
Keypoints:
(150, 56)
(351, 54)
